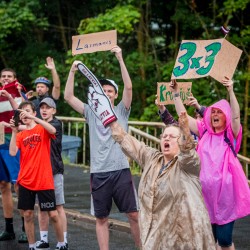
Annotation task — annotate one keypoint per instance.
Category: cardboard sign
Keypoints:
(2, 141)
(165, 96)
(93, 42)
(216, 58)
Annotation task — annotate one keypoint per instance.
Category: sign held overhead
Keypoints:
(89, 43)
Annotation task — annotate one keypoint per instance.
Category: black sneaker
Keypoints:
(22, 238)
(7, 236)
(41, 244)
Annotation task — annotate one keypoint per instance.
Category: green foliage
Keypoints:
(121, 18)
(232, 6)
(136, 170)
(18, 15)
(149, 33)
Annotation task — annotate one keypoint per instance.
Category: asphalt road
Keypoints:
(81, 225)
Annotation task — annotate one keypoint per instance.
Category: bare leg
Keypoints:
(57, 225)
(102, 233)
(7, 199)
(133, 221)
(29, 225)
(43, 220)
(62, 218)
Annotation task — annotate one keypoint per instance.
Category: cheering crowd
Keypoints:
(191, 191)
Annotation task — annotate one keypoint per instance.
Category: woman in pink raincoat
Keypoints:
(224, 185)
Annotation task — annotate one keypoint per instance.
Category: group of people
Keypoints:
(190, 192)
(31, 160)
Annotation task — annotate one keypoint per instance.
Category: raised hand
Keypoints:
(50, 63)
(174, 86)
(161, 107)
(228, 83)
(183, 122)
(118, 52)
(192, 101)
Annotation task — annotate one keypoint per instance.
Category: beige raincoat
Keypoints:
(172, 211)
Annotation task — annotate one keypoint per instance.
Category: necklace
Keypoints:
(163, 167)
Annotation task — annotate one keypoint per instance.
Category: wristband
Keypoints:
(176, 94)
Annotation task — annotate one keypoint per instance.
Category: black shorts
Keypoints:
(117, 186)
(27, 199)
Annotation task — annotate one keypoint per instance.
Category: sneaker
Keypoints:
(41, 244)
(63, 247)
(32, 248)
(7, 236)
(22, 238)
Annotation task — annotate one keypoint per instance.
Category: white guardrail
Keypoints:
(148, 132)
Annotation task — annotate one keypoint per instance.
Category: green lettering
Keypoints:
(184, 60)
(162, 88)
(215, 48)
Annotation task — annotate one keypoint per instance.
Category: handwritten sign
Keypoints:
(199, 58)
(165, 96)
(100, 41)
(2, 141)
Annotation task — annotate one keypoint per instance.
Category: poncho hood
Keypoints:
(224, 106)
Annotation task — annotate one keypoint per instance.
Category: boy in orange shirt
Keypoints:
(35, 176)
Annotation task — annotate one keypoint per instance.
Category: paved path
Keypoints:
(81, 229)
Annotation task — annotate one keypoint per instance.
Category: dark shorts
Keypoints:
(9, 165)
(27, 199)
(223, 234)
(117, 186)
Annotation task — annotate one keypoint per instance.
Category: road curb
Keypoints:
(86, 220)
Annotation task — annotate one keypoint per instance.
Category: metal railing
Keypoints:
(148, 132)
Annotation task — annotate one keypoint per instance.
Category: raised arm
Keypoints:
(69, 96)
(235, 108)
(55, 77)
(47, 126)
(127, 91)
(165, 115)
(179, 106)
(131, 146)
(189, 159)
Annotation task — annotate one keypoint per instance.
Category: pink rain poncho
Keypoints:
(224, 185)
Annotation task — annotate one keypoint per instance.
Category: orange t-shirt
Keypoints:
(35, 166)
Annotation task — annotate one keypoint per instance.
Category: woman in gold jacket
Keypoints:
(172, 211)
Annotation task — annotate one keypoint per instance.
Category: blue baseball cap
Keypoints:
(43, 80)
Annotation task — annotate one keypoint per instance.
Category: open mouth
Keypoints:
(166, 145)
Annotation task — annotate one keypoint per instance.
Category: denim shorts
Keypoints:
(9, 165)
(223, 234)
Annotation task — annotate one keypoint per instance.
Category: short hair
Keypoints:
(26, 103)
(175, 125)
(9, 69)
